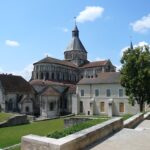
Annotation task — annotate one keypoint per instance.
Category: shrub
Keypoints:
(75, 128)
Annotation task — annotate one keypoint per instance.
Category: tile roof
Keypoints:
(95, 64)
(60, 87)
(56, 61)
(103, 78)
(75, 43)
(50, 91)
(13, 83)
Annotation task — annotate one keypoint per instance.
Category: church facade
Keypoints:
(74, 67)
(55, 80)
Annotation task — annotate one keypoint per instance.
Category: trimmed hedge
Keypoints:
(75, 128)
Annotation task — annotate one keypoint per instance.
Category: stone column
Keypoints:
(110, 107)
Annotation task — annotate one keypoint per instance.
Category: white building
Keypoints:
(16, 94)
(103, 95)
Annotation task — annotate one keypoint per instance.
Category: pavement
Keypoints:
(126, 139)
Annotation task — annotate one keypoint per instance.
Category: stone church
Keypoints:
(55, 80)
(74, 66)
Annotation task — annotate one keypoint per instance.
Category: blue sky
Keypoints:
(32, 29)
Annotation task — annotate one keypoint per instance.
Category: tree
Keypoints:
(135, 74)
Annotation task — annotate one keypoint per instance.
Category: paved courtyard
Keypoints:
(127, 139)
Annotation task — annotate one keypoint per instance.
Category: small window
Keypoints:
(51, 106)
(102, 107)
(96, 92)
(82, 92)
(81, 107)
(108, 93)
(27, 109)
(121, 107)
(120, 92)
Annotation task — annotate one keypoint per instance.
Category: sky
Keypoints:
(32, 29)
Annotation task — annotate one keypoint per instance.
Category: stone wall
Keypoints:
(76, 141)
(16, 120)
(132, 122)
(147, 116)
(74, 121)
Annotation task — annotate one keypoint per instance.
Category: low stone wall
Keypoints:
(68, 122)
(147, 116)
(76, 141)
(133, 121)
(15, 120)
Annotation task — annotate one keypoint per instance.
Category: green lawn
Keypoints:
(126, 116)
(12, 135)
(5, 116)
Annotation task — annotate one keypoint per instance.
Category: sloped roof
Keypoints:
(72, 89)
(75, 43)
(95, 64)
(103, 78)
(50, 91)
(13, 83)
(56, 61)
(59, 87)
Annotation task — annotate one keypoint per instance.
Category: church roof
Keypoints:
(103, 78)
(95, 64)
(50, 91)
(75, 43)
(12, 83)
(58, 86)
(56, 61)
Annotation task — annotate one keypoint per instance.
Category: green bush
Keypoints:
(75, 128)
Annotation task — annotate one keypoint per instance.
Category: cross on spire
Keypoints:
(75, 21)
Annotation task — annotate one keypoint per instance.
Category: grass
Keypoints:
(126, 116)
(76, 128)
(5, 116)
(12, 135)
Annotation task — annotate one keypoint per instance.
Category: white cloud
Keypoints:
(142, 43)
(65, 30)
(99, 59)
(25, 72)
(118, 67)
(1, 70)
(142, 25)
(90, 13)
(12, 43)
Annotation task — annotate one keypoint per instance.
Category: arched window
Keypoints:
(27, 109)
(47, 76)
(52, 76)
(63, 77)
(36, 75)
(41, 75)
(57, 76)
(10, 105)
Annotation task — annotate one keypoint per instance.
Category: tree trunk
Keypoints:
(141, 106)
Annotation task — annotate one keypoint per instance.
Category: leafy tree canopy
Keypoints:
(135, 74)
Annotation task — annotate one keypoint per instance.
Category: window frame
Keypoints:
(120, 107)
(97, 92)
(122, 93)
(82, 92)
(108, 95)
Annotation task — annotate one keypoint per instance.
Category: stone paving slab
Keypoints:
(127, 139)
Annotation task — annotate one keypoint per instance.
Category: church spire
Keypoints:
(131, 45)
(75, 31)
